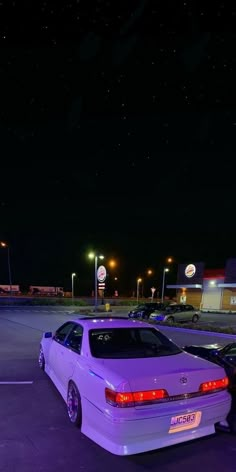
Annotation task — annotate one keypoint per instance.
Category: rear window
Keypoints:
(126, 343)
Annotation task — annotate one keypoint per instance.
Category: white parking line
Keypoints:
(24, 382)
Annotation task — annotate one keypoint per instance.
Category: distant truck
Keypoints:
(7, 289)
(46, 291)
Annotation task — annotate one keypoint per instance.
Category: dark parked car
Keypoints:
(225, 356)
(176, 312)
(144, 310)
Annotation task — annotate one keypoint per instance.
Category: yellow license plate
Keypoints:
(186, 421)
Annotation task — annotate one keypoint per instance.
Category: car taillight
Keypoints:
(150, 396)
(214, 385)
(128, 399)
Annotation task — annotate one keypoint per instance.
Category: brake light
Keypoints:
(128, 399)
(150, 395)
(214, 385)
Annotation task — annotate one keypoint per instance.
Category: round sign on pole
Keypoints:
(101, 273)
(190, 270)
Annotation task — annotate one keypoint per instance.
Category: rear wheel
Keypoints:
(41, 359)
(74, 408)
(195, 318)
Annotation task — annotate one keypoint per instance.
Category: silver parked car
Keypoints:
(176, 312)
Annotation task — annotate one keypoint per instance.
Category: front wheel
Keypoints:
(74, 408)
(171, 319)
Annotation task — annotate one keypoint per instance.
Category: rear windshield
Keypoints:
(126, 343)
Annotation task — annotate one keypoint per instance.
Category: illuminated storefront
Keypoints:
(208, 289)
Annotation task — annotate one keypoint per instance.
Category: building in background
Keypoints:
(207, 289)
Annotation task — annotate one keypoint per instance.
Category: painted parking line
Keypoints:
(24, 382)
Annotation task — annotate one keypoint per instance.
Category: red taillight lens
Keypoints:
(128, 399)
(150, 395)
(213, 385)
(118, 398)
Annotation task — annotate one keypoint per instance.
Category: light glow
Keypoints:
(129, 399)
(214, 385)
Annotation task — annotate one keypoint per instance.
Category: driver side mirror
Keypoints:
(48, 334)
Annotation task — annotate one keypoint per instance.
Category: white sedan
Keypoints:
(129, 388)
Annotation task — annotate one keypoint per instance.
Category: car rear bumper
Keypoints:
(145, 429)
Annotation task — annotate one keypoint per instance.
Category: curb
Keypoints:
(199, 331)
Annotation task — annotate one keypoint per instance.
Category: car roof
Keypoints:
(108, 322)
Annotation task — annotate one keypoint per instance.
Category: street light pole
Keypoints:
(163, 282)
(95, 257)
(138, 282)
(72, 286)
(2, 244)
(96, 282)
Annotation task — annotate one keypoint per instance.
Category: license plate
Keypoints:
(183, 422)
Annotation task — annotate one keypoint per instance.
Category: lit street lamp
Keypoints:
(163, 282)
(138, 282)
(72, 285)
(95, 257)
(5, 245)
(112, 264)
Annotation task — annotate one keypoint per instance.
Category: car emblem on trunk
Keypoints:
(183, 380)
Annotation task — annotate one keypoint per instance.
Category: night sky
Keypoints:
(117, 133)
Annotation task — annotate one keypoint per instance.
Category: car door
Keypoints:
(187, 312)
(55, 354)
(70, 354)
(176, 312)
(184, 313)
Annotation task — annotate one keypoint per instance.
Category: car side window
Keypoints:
(177, 308)
(188, 308)
(74, 340)
(63, 331)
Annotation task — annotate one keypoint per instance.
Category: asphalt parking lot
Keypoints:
(35, 433)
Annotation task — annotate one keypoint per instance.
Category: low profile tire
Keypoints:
(41, 359)
(171, 319)
(74, 408)
(195, 318)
